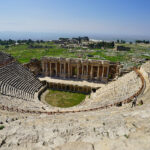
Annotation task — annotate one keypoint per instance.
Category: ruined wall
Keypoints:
(5, 59)
(34, 66)
(122, 48)
(94, 70)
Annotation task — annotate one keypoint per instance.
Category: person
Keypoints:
(134, 101)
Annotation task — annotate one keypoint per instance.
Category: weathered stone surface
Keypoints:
(76, 146)
(34, 66)
(114, 128)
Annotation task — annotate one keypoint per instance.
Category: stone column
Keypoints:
(46, 65)
(82, 70)
(87, 70)
(48, 73)
(91, 74)
(50, 69)
(77, 71)
(56, 68)
(68, 70)
(107, 71)
(64, 70)
(78, 89)
(98, 75)
(103, 72)
(74, 88)
(60, 70)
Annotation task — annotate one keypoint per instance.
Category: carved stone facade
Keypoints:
(98, 70)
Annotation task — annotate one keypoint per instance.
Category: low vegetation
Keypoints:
(64, 99)
(2, 127)
(23, 51)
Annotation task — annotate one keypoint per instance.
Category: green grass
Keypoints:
(127, 136)
(23, 53)
(64, 99)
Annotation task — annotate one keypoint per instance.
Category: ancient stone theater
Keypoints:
(104, 114)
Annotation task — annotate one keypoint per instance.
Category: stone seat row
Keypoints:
(26, 74)
(10, 90)
(14, 92)
(22, 72)
(17, 81)
(120, 90)
(19, 103)
(19, 71)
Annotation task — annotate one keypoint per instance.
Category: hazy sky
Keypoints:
(129, 17)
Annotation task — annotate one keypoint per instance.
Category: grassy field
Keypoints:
(64, 99)
(23, 53)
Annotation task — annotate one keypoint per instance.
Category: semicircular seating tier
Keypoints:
(111, 93)
(117, 91)
(114, 92)
(17, 81)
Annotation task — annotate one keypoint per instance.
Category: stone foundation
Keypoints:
(71, 88)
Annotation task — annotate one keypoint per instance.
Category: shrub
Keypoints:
(2, 127)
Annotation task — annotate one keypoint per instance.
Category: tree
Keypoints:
(118, 41)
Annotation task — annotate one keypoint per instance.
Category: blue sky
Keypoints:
(120, 17)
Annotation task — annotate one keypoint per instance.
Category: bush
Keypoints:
(2, 127)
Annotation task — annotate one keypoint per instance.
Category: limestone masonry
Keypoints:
(79, 68)
(86, 69)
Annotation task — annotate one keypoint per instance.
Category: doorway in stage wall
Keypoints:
(53, 70)
(95, 69)
(74, 72)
